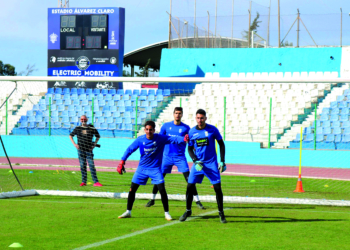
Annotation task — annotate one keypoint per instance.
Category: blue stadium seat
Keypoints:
(346, 131)
(127, 103)
(50, 90)
(160, 98)
(166, 92)
(42, 102)
(334, 118)
(154, 104)
(66, 91)
(148, 110)
(327, 131)
(100, 119)
(45, 113)
(54, 113)
(337, 131)
(104, 132)
(127, 114)
(119, 120)
(342, 104)
(109, 97)
(319, 138)
(100, 97)
(344, 118)
(150, 98)
(159, 92)
(319, 131)
(47, 101)
(85, 103)
(65, 112)
(107, 113)
(89, 97)
(65, 119)
(57, 97)
(328, 143)
(58, 91)
(72, 113)
(136, 92)
(120, 104)
(59, 102)
(128, 127)
(345, 124)
(74, 97)
(96, 91)
(71, 108)
(128, 92)
(88, 91)
(98, 113)
(345, 143)
(143, 115)
(110, 120)
(80, 91)
(30, 113)
(145, 104)
(340, 98)
(142, 98)
(143, 92)
(101, 103)
(36, 107)
(23, 119)
(76, 102)
(334, 104)
(127, 120)
(31, 118)
(335, 111)
(344, 111)
(121, 109)
(38, 118)
(133, 97)
(306, 130)
(111, 103)
(126, 97)
(105, 108)
(151, 92)
(61, 107)
(326, 124)
(42, 107)
(78, 108)
(120, 92)
(68, 102)
(116, 114)
(347, 92)
(104, 91)
(82, 97)
(66, 96)
(308, 141)
(97, 125)
(116, 97)
(335, 124)
(112, 91)
(129, 108)
(74, 91)
(80, 113)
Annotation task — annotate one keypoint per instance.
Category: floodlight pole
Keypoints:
(194, 26)
(341, 27)
(298, 29)
(233, 1)
(268, 26)
(279, 25)
(208, 28)
(169, 44)
(250, 16)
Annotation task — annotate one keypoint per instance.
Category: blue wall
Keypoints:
(113, 148)
(196, 62)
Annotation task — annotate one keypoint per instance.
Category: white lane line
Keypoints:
(97, 244)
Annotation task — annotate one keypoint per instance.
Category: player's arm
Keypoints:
(175, 139)
(162, 130)
(190, 149)
(131, 149)
(74, 132)
(97, 135)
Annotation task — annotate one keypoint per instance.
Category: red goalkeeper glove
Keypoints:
(121, 168)
(186, 138)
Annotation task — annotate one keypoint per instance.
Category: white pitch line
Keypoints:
(97, 244)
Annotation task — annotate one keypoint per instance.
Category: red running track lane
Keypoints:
(232, 169)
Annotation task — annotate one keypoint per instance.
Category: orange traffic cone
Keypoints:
(299, 188)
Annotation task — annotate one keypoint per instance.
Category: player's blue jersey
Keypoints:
(203, 141)
(151, 150)
(171, 129)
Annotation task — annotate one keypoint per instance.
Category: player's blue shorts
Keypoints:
(180, 162)
(211, 171)
(141, 176)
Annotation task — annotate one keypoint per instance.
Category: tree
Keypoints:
(126, 73)
(286, 44)
(28, 71)
(7, 70)
(253, 27)
(144, 70)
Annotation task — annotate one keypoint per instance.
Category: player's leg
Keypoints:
(164, 197)
(195, 177)
(90, 160)
(131, 199)
(82, 161)
(195, 193)
(213, 174)
(154, 193)
(220, 201)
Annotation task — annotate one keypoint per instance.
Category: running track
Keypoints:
(232, 169)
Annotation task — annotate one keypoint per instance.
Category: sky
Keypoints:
(23, 29)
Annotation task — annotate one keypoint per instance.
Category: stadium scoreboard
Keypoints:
(84, 42)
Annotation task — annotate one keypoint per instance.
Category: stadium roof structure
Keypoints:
(140, 56)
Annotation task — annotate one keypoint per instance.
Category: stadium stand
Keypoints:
(114, 111)
(248, 105)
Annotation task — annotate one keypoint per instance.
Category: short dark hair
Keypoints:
(178, 109)
(201, 112)
(150, 123)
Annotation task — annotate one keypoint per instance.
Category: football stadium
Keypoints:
(224, 136)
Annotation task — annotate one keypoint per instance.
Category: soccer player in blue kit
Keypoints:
(202, 139)
(174, 154)
(151, 149)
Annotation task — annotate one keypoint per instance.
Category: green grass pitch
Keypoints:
(46, 222)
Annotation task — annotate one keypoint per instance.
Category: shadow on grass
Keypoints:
(258, 219)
